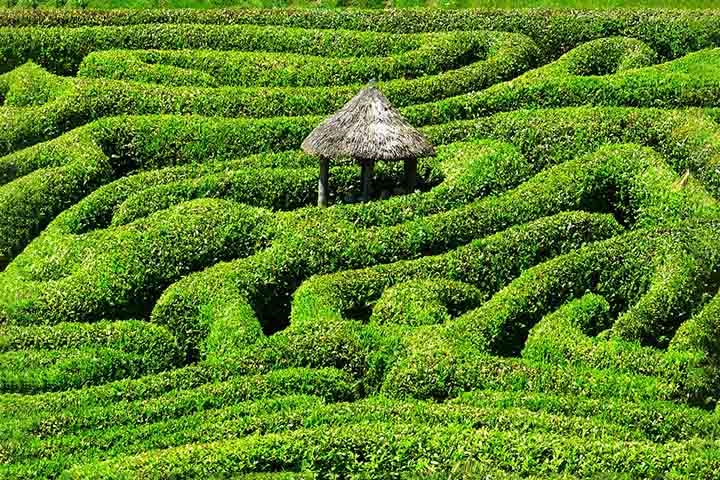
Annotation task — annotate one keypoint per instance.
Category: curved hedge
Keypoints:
(72, 355)
(434, 54)
(405, 448)
(670, 32)
(133, 263)
(544, 305)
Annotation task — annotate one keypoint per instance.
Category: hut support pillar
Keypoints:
(367, 168)
(323, 183)
(410, 174)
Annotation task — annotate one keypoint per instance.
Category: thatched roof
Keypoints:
(367, 128)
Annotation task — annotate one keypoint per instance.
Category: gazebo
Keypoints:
(367, 129)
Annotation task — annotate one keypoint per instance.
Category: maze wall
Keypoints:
(173, 306)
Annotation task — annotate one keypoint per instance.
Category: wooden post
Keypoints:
(367, 168)
(323, 182)
(411, 174)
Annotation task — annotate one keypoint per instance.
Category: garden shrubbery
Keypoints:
(544, 304)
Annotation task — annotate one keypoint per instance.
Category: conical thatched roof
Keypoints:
(367, 128)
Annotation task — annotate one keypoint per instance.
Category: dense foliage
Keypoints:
(546, 303)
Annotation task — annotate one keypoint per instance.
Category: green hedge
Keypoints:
(381, 449)
(322, 304)
(425, 302)
(37, 371)
(501, 56)
(566, 83)
(284, 414)
(660, 421)
(132, 264)
(556, 84)
(619, 269)
(67, 355)
(669, 32)
(545, 194)
(61, 50)
(435, 54)
(700, 332)
(271, 188)
(563, 338)
(64, 416)
(152, 142)
(97, 209)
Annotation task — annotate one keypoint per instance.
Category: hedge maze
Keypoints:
(545, 305)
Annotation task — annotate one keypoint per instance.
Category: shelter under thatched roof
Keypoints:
(367, 128)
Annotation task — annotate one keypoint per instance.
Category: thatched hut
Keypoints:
(367, 129)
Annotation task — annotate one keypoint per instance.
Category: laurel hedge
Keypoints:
(285, 414)
(380, 448)
(71, 355)
(435, 54)
(545, 305)
(155, 252)
(669, 32)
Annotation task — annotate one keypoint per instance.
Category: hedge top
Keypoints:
(367, 128)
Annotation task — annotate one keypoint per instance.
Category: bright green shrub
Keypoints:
(61, 50)
(68, 355)
(31, 85)
(285, 414)
(660, 421)
(426, 302)
(565, 83)
(699, 334)
(549, 290)
(96, 210)
(155, 251)
(133, 335)
(563, 337)
(88, 100)
(436, 53)
(275, 189)
(380, 448)
(330, 384)
(671, 33)
(437, 365)
(52, 370)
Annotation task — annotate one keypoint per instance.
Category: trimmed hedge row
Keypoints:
(97, 209)
(381, 449)
(321, 304)
(660, 421)
(67, 355)
(132, 264)
(283, 414)
(622, 268)
(562, 338)
(130, 335)
(557, 84)
(61, 49)
(37, 371)
(506, 55)
(669, 32)
(666, 136)
(435, 54)
(578, 184)
(170, 142)
(700, 332)
(61, 418)
(271, 188)
(58, 174)
(60, 267)
(615, 268)
(607, 71)
(425, 302)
